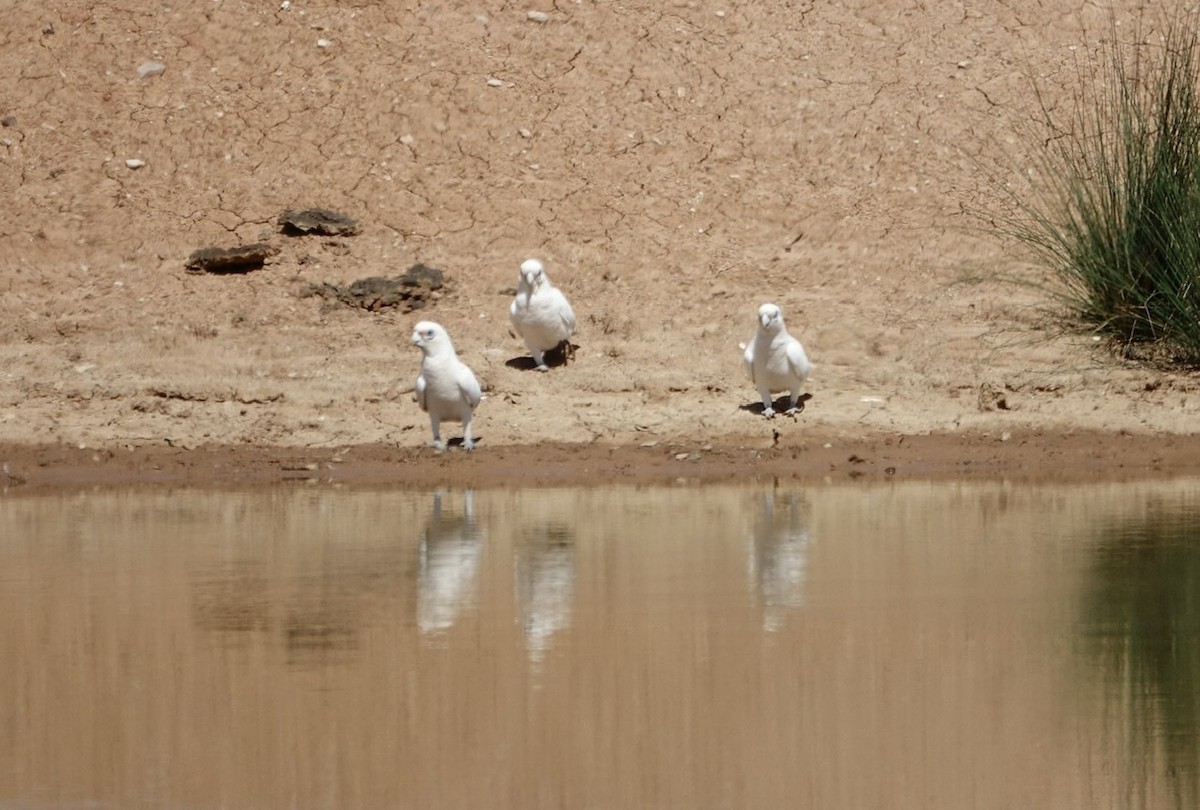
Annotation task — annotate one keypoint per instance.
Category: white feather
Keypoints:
(540, 313)
(775, 361)
(446, 388)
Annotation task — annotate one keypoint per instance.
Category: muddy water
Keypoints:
(909, 646)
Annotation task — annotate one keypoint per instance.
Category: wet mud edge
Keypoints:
(1033, 455)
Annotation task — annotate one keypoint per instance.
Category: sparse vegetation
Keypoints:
(1117, 212)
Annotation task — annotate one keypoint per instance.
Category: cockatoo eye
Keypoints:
(429, 334)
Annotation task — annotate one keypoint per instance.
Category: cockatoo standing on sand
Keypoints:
(540, 312)
(446, 388)
(775, 360)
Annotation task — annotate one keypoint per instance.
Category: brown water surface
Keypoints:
(912, 645)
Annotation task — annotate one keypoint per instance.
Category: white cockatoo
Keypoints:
(540, 312)
(446, 389)
(775, 360)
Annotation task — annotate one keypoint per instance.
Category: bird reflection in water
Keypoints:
(778, 557)
(545, 574)
(448, 566)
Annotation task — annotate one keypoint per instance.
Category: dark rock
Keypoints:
(230, 260)
(319, 221)
(374, 293)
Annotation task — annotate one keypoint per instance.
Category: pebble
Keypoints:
(682, 456)
(150, 69)
(324, 43)
(538, 16)
(494, 82)
(135, 163)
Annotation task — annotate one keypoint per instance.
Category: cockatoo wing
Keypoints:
(468, 385)
(420, 393)
(515, 312)
(563, 307)
(798, 363)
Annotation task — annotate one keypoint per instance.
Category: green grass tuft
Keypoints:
(1117, 216)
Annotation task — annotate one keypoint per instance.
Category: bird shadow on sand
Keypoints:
(456, 443)
(560, 355)
(780, 405)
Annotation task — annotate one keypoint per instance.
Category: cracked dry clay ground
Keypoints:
(674, 164)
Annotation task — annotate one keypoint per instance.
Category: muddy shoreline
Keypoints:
(1030, 456)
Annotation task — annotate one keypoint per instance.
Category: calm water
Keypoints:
(972, 645)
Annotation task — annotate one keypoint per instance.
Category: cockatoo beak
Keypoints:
(764, 319)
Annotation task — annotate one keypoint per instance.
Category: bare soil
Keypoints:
(673, 164)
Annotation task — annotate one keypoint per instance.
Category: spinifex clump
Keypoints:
(1118, 216)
